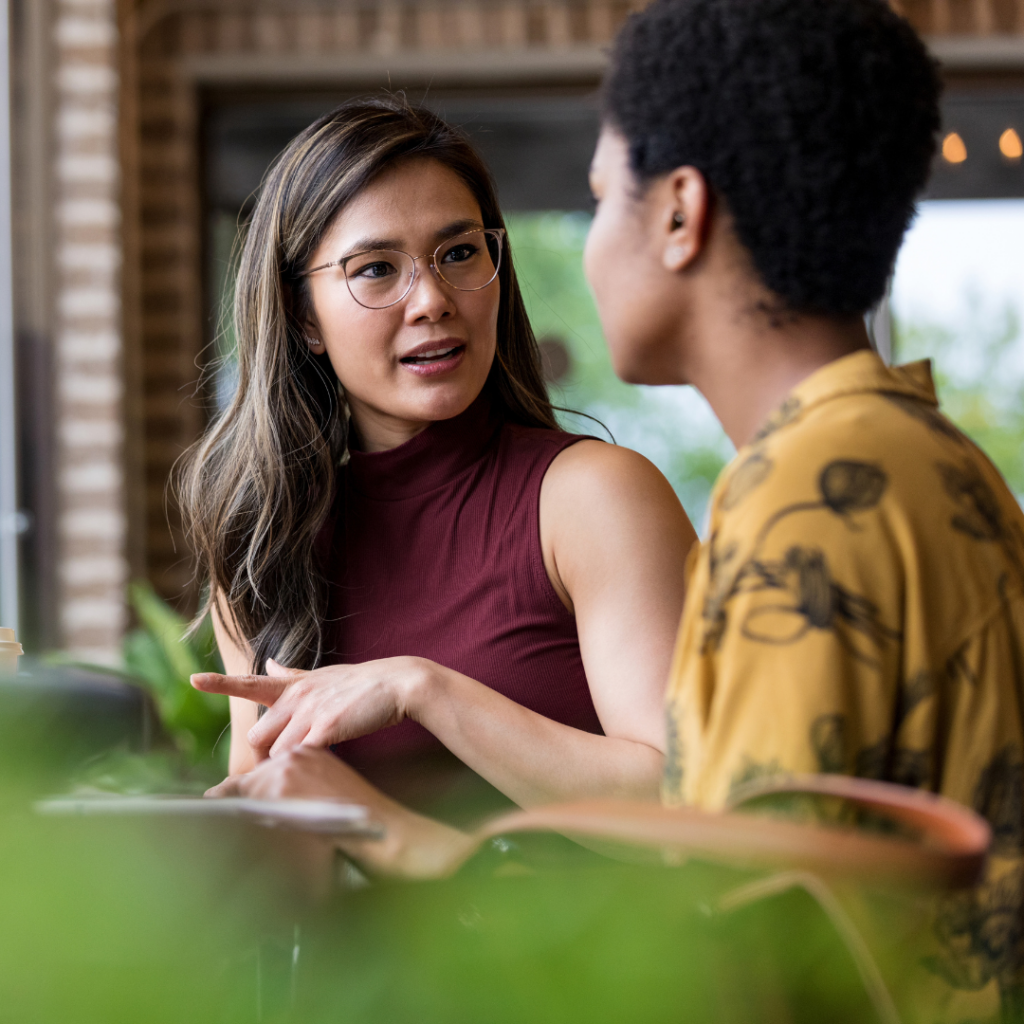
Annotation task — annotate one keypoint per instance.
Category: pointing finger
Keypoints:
(260, 689)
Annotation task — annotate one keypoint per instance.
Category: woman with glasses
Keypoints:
(441, 586)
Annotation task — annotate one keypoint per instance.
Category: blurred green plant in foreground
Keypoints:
(168, 920)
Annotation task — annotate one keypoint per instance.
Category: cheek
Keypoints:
(607, 267)
(480, 312)
(595, 254)
(359, 343)
(623, 292)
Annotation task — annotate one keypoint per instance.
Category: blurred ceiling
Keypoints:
(537, 146)
(980, 116)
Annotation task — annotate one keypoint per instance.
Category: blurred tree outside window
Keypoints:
(958, 289)
(671, 426)
(958, 299)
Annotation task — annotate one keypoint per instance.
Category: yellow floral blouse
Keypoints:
(857, 608)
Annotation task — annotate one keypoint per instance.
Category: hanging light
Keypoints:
(953, 149)
(1010, 145)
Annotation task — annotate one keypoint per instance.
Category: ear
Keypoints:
(311, 335)
(686, 210)
(307, 324)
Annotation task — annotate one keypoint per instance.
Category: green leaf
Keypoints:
(165, 626)
(162, 657)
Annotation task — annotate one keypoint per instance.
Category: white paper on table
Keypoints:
(321, 816)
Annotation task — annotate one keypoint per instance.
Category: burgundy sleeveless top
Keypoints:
(436, 553)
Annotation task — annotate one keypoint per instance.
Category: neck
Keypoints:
(749, 365)
(376, 431)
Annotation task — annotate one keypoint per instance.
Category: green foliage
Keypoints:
(119, 922)
(548, 253)
(157, 772)
(110, 920)
(671, 426)
(979, 375)
(162, 657)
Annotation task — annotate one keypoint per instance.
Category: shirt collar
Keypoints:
(858, 373)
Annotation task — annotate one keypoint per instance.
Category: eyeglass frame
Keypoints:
(499, 233)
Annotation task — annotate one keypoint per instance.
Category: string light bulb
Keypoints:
(1010, 145)
(953, 149)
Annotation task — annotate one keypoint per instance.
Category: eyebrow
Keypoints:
(456, 227)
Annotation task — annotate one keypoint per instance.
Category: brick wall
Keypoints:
(89, 435)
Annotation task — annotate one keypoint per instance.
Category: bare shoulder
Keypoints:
(607, 512)
(595, 478)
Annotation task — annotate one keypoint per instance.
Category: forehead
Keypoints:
(611, 157)
(412, 200)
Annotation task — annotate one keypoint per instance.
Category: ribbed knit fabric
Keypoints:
(436, 553)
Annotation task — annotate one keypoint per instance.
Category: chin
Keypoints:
(445, 401)
(643, 364)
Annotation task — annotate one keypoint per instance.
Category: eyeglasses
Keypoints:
(379, 278)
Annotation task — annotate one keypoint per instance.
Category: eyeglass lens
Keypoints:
(383, 277)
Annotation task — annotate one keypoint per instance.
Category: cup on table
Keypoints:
(10, 649)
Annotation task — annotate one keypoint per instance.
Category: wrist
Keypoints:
(419, 685)
(412, 846)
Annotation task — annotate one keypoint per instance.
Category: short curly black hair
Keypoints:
(815, 122)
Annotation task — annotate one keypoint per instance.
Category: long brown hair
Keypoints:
(257, 488)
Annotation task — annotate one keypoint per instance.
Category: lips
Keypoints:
(433, 355)
(435, 359)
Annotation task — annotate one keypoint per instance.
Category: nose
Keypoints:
(428, 299)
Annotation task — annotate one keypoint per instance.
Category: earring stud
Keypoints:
(311, 342)
(678, 220)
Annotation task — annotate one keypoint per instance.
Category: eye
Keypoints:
(373, 269)
(460, 253)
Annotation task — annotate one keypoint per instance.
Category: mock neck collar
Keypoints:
(428, 461)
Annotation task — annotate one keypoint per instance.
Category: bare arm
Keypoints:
(244, 713)
(615, 540)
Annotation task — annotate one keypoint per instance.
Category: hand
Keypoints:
(413, 846)
(303, 773)
(325, 706)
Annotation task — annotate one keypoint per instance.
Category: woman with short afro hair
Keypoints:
(857, 606)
